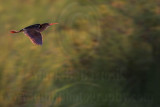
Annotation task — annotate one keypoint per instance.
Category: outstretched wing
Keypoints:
(34, 36)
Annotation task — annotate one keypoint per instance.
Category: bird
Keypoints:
(34, 32)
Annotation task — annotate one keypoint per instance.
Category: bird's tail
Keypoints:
(13, 31)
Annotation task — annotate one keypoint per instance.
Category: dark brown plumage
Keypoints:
(33, 32)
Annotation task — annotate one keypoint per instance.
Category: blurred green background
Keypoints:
(103, 53)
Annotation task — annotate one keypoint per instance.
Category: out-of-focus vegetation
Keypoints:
(103, 53)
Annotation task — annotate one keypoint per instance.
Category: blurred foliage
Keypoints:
(103, 53)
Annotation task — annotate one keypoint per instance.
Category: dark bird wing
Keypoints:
(34, 36)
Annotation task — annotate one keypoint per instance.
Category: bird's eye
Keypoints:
(40, 26)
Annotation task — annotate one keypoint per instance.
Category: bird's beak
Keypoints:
(52, 24)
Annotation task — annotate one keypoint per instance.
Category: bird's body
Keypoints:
(33, 32)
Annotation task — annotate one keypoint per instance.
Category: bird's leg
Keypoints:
(13, 31)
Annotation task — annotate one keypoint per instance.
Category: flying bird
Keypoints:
(34, 32)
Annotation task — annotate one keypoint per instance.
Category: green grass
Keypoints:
(94, 57)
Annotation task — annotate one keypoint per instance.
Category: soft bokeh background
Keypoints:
(103, 53)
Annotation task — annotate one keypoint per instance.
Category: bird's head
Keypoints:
(45, 25)
(48, 24)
